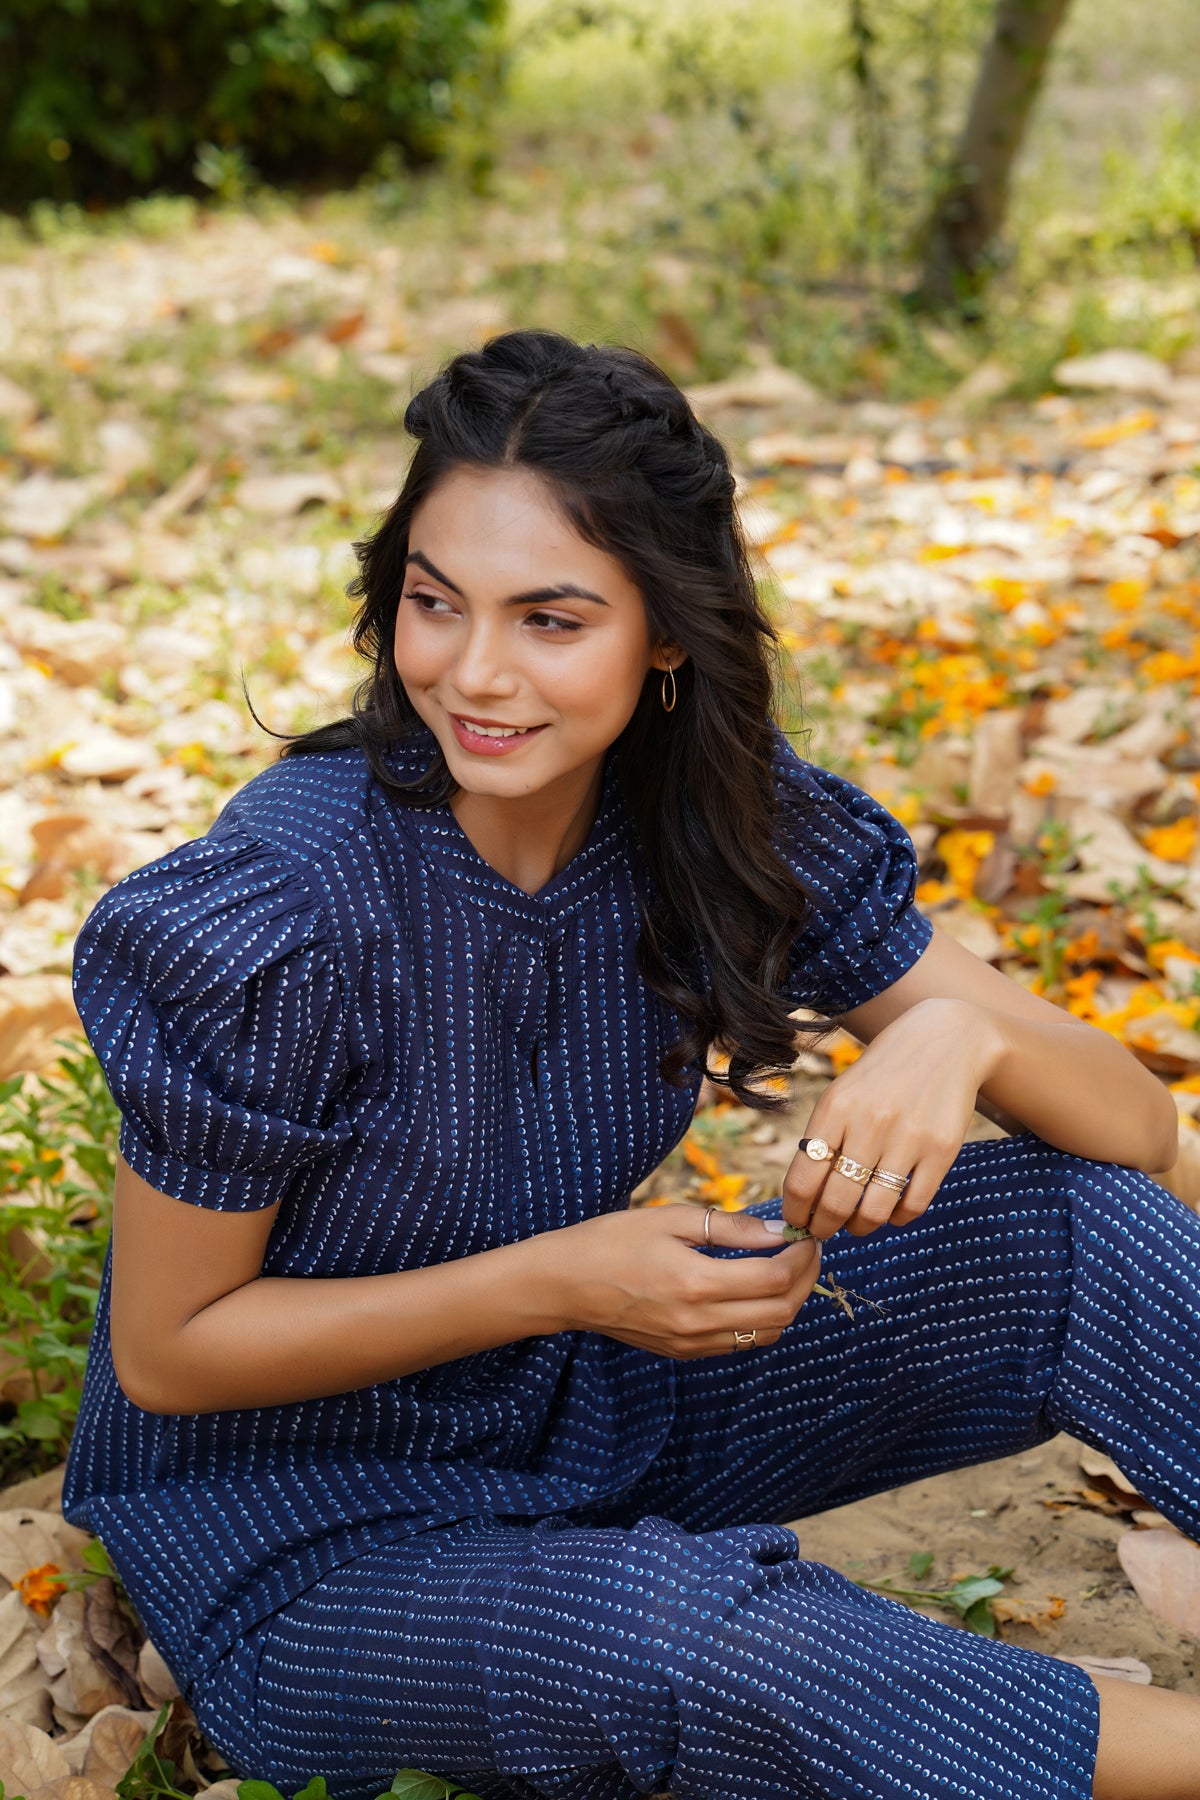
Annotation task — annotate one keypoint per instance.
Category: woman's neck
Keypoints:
(531, 839)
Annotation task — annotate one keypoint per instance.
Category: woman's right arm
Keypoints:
(196, 1327)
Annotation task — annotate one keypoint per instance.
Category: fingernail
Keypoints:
(774, 1226)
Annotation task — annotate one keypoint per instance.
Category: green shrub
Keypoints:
(102, 99)
(58, 1144)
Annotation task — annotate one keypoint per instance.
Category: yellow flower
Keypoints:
(962, 852)
(1125, 596)
(1174, 843)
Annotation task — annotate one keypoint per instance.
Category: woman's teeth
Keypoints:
(497, 730)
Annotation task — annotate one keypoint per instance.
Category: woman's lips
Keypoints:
(490, 746)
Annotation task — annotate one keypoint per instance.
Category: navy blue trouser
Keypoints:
(675, 1641)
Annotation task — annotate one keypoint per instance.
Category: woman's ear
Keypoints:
(667, 656)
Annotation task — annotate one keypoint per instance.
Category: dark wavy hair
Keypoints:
(638, 476)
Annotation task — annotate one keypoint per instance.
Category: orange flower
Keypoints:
(725, 1191)
(37, 1590)
(1044, 782)
(842, 1054)
(1158, 952)
(1081, 993)
(1174, 843)
(703, 1160)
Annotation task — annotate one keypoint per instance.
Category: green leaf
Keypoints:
(979, 1618)
(258, 1790)
(315, 1790)
(415, 1784)
(966, 1595)
(920, 1563)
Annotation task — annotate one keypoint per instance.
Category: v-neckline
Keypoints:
(444, 842)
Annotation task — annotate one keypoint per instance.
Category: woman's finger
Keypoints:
(721, 1230)
(880, 1200)
(926, 1179)
(809, 1169)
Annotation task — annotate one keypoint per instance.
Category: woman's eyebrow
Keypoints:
(565, 590)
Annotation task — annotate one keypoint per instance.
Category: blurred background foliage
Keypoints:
(101, 99)
(695, 175)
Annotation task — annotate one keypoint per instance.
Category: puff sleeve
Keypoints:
(208, 986)
(860, 869)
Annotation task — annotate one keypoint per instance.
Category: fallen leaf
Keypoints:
(29, 1536)
(110, 1636)
(98, 754)
(44, 507)
(1165, 1571)
(154, 1677)
(767, 385)
(1101, 1467)
(1009, 1611)
(1116, 371)
(340, 331)
(108, 1743)
(35, 1010)
(24, 1693)
(1117, 1668)
(28, 1758)
(183, 494)
(278, 496)
(79, 1683)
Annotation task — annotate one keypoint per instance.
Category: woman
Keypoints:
(413, 1445)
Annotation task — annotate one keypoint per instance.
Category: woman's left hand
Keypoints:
(904, 1106)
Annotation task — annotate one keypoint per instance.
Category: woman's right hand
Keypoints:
(637, 1276)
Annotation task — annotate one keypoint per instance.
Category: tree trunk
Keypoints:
(970, 211)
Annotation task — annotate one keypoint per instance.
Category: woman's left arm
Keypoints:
(950, 1033)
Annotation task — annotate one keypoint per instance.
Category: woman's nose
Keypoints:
(483, 664)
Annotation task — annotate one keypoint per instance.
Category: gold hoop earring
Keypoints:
(674, 695)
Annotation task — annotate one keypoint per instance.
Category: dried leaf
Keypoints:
(108, 1743)
(1165, 1571)
(28, 1758)
(110, 1637)
(79, 1683)
(24, 1691)
(1117, 1668)
(72, 1787)
(154, 1677)
(1102, 1468)
(278, 496)
(30, 1537)
(1116, 371)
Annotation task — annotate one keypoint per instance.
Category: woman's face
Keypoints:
(508, 618)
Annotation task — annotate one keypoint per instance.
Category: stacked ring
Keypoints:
(745, 1340)
(888, 1178)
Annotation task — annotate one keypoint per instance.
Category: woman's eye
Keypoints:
(426, 602)
(553, 623)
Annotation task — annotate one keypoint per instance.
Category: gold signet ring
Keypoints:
(816, 1149)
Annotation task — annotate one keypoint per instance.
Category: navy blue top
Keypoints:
(333, 1001)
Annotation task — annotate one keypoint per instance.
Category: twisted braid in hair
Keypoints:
(637, 475)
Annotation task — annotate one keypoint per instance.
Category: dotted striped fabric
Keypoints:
(332, 1001)
(675, 1637)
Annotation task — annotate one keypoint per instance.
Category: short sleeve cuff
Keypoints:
(880, 962)
(218, 1190)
